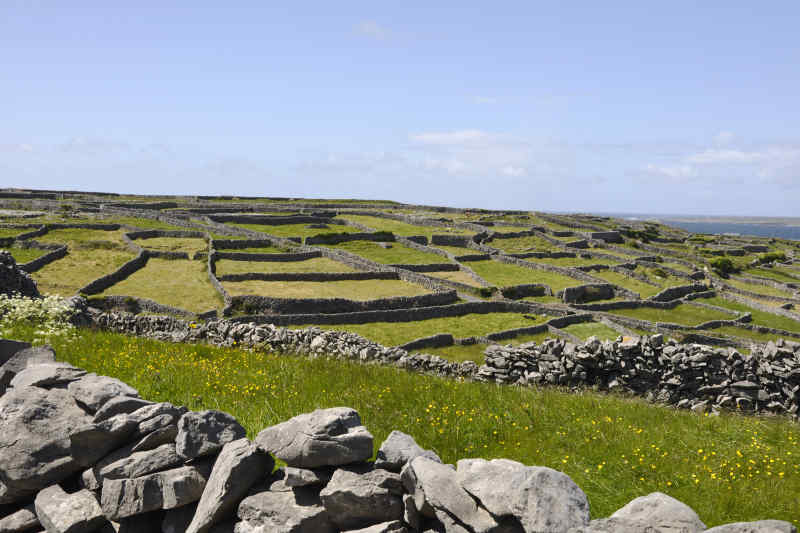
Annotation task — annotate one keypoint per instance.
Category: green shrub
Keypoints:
(772, 257)
(723, 266)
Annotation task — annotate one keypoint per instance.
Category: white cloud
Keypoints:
(450, 137)
(372, 29)
(674, 172)
(510, 170)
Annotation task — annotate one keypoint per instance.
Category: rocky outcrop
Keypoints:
(13, 280)
(81, 453)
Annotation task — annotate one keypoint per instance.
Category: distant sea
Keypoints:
(760, 230)
(745, 227)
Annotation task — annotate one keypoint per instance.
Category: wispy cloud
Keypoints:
(372, 29)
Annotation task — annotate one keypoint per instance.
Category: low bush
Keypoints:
(723, 266)
(46, 317)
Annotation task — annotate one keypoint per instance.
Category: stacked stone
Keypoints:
(13, 280)
(82, 453)
(692, 376)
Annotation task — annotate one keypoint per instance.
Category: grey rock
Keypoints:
(35, 440)
(141, 523)
(18, 361)
(437, 492)
(121, 498)
(237, 468)
(60, 512)
(282, 509)
(119, 405)
(410, 514)
(90, 442)
(302, 477)
(395, 526)
(138, 464)
(20, 521)
(9, 348)
(655, 512)
(398, 449)
(325, 437)
(358, 500)
(94, 391)
(761, 526)
(164, 435)
(205, 432)
(47, 375)
(540, 498)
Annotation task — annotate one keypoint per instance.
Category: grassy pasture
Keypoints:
(24, 255)
(404, 229)
(759, 289)
(572, 261)
(684, 314)
(645, 290)
(257, 250)
(397, 254)
(144, 223)
(179, 283)
(519, 245)
(584, 330)
(774, 273)
(295, 230)
(174, 244)
(748, 334)
(456, 250)
(504, 275)
(315, 264)
(396, 333)
(352, 290)
(457, 352)
(13, 232)
(92, 254)
(760, 318)
(456, 275)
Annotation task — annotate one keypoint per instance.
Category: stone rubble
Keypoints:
(72, 460)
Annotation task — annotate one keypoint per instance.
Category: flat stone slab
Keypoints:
(23, 520)
(205, 432)
(60, 512)
(325, 437)
(94, 391)
(398, 449)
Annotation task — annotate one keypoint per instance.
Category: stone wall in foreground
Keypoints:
(85, 453)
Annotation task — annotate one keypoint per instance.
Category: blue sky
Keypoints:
(661, 107)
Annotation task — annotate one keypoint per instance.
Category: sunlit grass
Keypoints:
(352, 290)
(396, 253)
(315, 264)
(504, 275)
(684, 314)
(402, 228)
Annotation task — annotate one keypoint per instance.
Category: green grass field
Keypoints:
(572, 261)
(24, 255)
(505, 275)
(471, 325)
(179, 283)
(455, 275)
(174, 244)
(584, 330)
(457, 352)
(760, 318)
(456, 250)
(759, 289)
(13, 232)
(257, 250)
(397, 254)
(684, 314)
(403, 228)
(780, 275)
(315, 264)
(748, 334)
(352, 290)
(519, 245)
(645, 290)
(295, 230)
(143, 223)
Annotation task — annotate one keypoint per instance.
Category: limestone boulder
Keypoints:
(398, 449)
(539, 498)
(121, 498)
(119, 405)
(325, 437)
(60, 512)
(20, 359)
(282, 509)
(437, 494)
(93, 391)
(355, 500)
(34, 440)
(47, 375)
(760, 526)
(237, 468)
(20, 521)
(206, 432)
(654, 512)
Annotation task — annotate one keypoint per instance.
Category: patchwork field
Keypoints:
(352, 290)
(178, 283)
(391, 253)
(506, 275)
(403, 228)
(684, 314)
(296, 230)
(316, 264)
(174, 244)
(519, 245)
